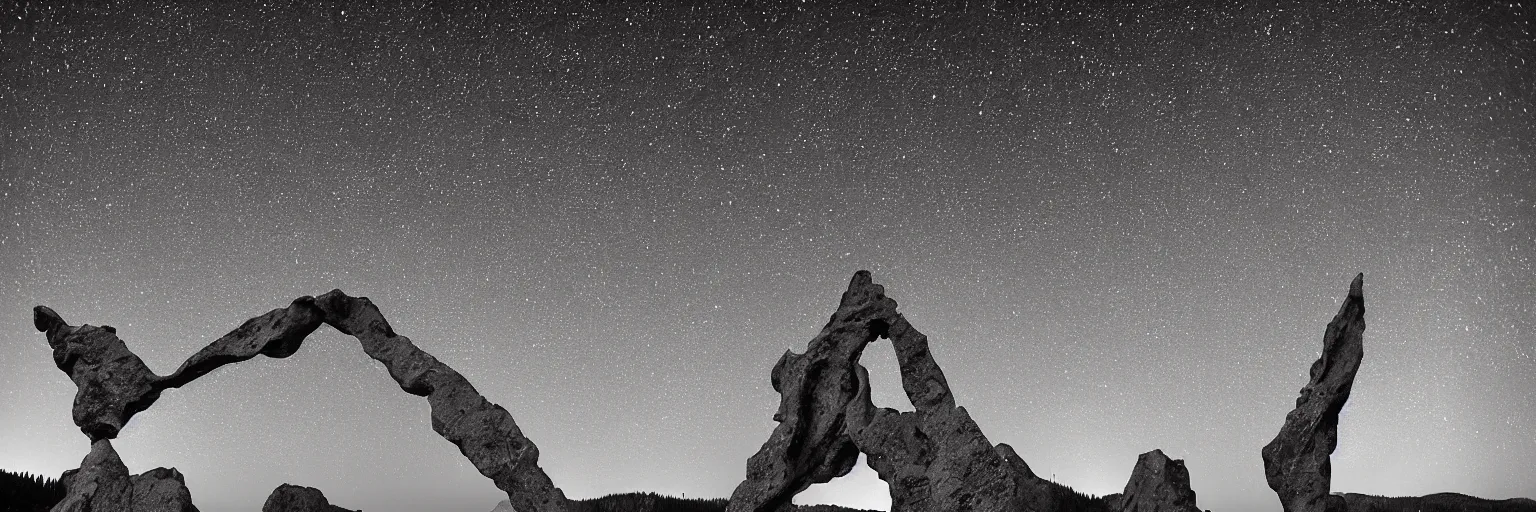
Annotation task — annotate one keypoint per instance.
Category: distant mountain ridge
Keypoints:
(1438, 502)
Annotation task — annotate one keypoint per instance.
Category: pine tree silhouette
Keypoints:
(26, 492)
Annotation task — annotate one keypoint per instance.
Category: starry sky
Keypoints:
(1122, 227)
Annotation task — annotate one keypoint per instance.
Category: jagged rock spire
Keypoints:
(1296, 462)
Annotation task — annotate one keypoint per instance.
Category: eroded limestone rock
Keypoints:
(934, 458)
(114, 384)
(295, 498)
(1157, 484)
(1296, 462)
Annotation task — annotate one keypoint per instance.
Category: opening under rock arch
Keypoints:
(240, 431)
(861, 488)
(884, 376)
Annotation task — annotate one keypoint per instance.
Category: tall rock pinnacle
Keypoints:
(1296, 462)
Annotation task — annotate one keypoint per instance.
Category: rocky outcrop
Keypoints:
(161, 490)
(934, 458)
(114, 384)
(1296, 462)
(294, 498)
(103, 483)
(810, 444)
(1157, 484)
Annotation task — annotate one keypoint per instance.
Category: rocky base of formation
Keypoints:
(293, 498)
(103, 483)
(933, 458)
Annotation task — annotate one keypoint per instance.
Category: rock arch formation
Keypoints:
(933, 458)
(114, 384)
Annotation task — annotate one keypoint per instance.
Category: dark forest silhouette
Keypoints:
(26, 492)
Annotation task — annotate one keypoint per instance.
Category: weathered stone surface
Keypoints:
(114, 384)
(102, 483)
(810, 446)
(934, 458)
(294, 498)
(161, 490)
(1157, 484)
(1296, 462)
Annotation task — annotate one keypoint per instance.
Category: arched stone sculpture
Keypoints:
(934, 458)
(114, 384)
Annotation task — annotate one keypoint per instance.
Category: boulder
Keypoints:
(114, 384)
(294, 498)
(1296, 462)
(101, 483)
(161, 490)
(1157, 484)
(484, 432)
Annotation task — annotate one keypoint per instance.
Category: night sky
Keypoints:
(1122, 228)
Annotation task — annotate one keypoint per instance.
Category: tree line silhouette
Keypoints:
(26, 492)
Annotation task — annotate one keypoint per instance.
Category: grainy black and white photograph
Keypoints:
(767, 256)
